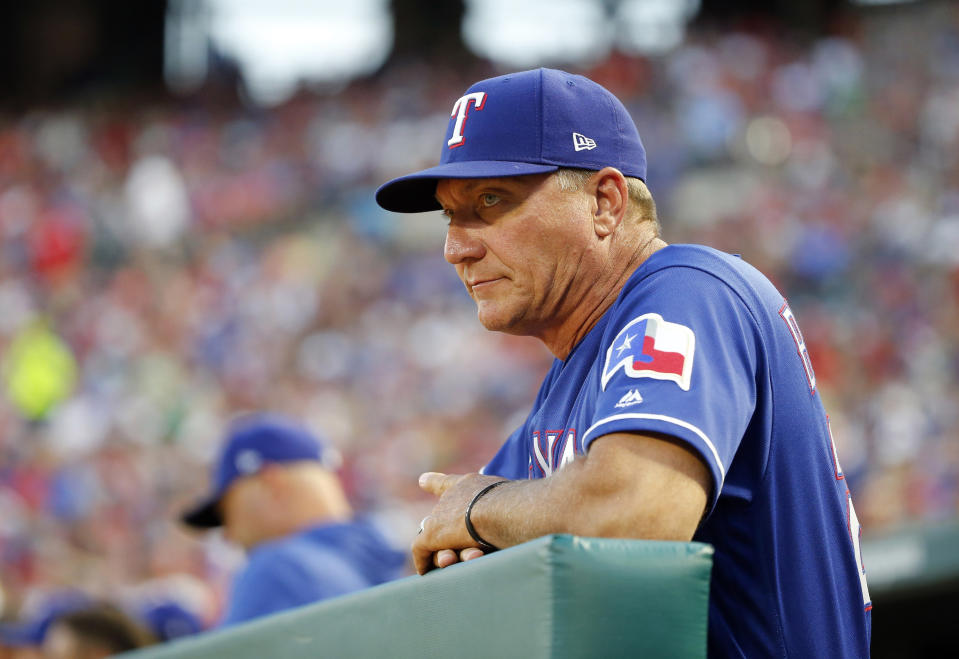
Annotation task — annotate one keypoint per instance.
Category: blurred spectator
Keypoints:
(172, 606)
(25, 637)
(275, 494)
(94, 632)
(170, 620)
(39, 370)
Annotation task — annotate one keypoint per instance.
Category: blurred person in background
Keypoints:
(23, 637)
(681, 405)
(93, 632)
(276, 495)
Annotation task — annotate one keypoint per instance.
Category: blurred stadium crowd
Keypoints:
(165, 267)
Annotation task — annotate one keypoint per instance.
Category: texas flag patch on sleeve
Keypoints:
(650, 347)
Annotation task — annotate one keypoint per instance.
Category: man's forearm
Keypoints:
(632, 488)
(629, 486)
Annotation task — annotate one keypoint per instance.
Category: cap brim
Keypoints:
(204, 516)
(416, 193)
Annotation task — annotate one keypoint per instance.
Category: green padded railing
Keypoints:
(558, 596)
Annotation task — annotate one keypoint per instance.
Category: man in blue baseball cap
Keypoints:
(682, 403)
(275, 494)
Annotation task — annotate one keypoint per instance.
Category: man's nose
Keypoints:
(462, 244)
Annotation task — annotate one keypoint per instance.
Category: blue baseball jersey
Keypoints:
(312, 565)
(700, 346)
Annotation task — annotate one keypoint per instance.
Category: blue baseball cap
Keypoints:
(169, 620)
(252, 442)
(531, 122)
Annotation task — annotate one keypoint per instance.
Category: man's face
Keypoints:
(517, 243)
(246, 508)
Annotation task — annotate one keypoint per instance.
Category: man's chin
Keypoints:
(489, 318)
(496, 320)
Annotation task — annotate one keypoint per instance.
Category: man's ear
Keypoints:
(612, 198)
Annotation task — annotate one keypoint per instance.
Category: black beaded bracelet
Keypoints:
(485, 546)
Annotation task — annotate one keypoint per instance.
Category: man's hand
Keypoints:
(444, 539)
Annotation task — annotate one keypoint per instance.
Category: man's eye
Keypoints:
(488, 199)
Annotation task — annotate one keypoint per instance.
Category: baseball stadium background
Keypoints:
(187, 231)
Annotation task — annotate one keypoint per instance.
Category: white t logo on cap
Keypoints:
(461, 110)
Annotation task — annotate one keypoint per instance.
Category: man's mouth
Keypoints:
(478, 285)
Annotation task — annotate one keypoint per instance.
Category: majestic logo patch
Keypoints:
(583, 143)
(631, 397)
(650, 347)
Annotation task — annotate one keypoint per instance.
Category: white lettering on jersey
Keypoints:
(461, 111)
(835, 454)
(852, 522)
(544, 459)
(855, 532)
(787, 315)
(569, 450)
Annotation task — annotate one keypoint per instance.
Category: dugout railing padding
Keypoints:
(558, 596)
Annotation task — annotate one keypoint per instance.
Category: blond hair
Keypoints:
(640, 198)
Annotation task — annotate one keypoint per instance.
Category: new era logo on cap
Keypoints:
(248, 461)
(519, 124)
(582, 143)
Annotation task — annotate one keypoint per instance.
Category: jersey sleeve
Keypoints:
(679, 358)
